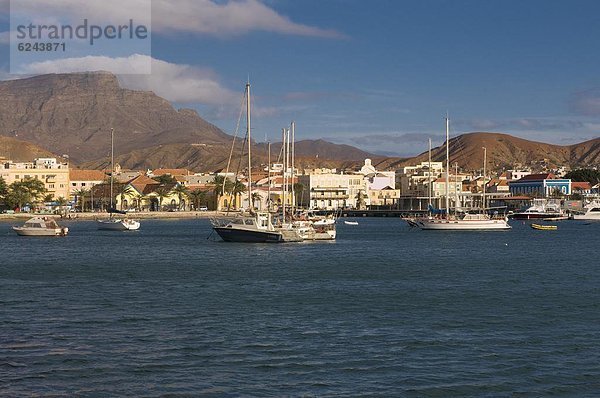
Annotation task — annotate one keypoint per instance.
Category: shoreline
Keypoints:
(136, 215)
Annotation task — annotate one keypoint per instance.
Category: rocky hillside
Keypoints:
(21, 151)
(505, 151)
(73, 114)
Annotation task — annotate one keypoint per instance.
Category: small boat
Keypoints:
(41, 226)
(351, 222)
(544, 227)
(117, 224)
(541, 209)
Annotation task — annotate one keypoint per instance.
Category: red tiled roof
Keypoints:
(86, 175)
(581, 185)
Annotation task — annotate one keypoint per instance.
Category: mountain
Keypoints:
(21, 151)
(73, 114)
(505, 151)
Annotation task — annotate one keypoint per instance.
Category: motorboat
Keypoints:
(541, 208)
(41, 226)
(591, 211)
(544, 227)
(252, 229)
(351, 222)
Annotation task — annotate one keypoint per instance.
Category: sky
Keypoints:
(380, 75)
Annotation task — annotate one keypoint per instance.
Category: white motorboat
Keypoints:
(541, 209)
(351, 222)
(41, 226)
(591, 211)
(253, 229)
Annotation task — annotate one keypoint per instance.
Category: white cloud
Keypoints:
(197, 16)
(174, 82)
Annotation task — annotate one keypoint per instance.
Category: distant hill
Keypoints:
(72, 114)
(504, 151)
(21, 151)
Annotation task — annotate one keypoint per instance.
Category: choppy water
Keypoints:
(384, 311)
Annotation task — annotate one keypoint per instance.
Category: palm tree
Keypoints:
(257, 197)
(80, 195)
(238, 189)
(196, 196)
(162, 192)
(124, 191)
(182, 192)
(222, 187)
(62, 202)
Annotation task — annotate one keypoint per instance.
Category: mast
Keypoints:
(293, 165)
(456, 187)
(484, 163)
(283, 174)
(269, 178)
(287, 166)
(249, 144)
(447, 165)
(112, 165)
(429, 177)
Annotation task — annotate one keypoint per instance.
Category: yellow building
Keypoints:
(53, 174)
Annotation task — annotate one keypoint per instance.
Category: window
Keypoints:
(83, 184)
(73, 184)
(50, 185)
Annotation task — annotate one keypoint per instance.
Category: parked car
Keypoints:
(202, 208)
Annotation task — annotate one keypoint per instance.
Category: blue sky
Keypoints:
(379, 75)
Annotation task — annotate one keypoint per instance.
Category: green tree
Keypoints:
(237, 189)
(28, 191)
(80, 195)
(162, 192)
(62, 202)
(197, 196)
(182, 193)
(3, 189)
(256, 197)
(298, 189)
(165, 179)
(584, 175)
(123, 191)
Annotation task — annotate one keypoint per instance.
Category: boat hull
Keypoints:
(117, 225)
(461, 225)
(248, 236)
(533, 216)
(39, 232)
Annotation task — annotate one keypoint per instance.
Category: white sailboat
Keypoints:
(257, 227)
(480, 221)
(112, 223)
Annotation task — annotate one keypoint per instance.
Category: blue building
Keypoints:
(540, 185)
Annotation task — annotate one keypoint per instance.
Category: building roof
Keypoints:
(537, 177)
(583, 186)
(172, 172)
(87, 175)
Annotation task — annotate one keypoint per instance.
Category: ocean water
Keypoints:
(384, 311)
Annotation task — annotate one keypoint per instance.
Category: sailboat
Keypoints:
(113, 223)
(258, 226)
(480, 221)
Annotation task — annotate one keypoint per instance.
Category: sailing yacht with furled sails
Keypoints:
(480, 221)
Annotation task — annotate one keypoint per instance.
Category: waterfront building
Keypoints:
(540, 185)
(53, 173)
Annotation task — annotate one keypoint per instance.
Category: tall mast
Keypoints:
(269, 178)
(249, 144)
(112, 165)
(429, 177)
(293, 165)
(447, 165)
(283, 174)
(456, 187)
(484, 164)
